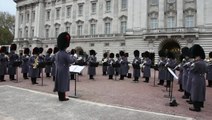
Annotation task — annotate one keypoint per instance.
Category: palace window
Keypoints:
(57, 13)
(189, 21)
(21, 18)
(154, 2)
(80, 9)
(20, 33)
(107, 28)
(171, 23)
(33, 16)
(47, 32)
(48, 15)
(92, 44)
(68, 11)
(56, 31)
(93, 29)
(79, 30)
(93, 7)
(153, 23)
(108, 6)
(32, 32)
(27, 17)
(26, 32)
(123, 4)
(123, 26)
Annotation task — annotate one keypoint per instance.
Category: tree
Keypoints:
(7, 22)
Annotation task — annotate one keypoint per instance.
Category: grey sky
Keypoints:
(8, 6)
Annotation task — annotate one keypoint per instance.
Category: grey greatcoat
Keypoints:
(186, 69)
(104, 64)
(123, 66)
(110, 70)
(12, 58)
(53, 65)
(3, 64)
(91, 69)
(25, 64)
(171, 63)
(117, 69)
(62, 76)
(198, 69)
(209, 71)
(33, 70)
(162, 69)
(48, 67)
(136, 67)
(146, 67)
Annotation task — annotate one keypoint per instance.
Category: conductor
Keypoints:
(62, 63)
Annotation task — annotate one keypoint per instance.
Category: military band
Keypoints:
(191, 67)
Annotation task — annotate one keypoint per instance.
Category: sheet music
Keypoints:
(76, 68)
(175, 76)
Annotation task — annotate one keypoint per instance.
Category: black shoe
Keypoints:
(146, 81)
(195, 109)
(65, 99)
(2, 80)
(185, 97)
(180, 90)
(189, 101)
(26, 78)
(160, 84)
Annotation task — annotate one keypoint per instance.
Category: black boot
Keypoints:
(110, 76)
(47, 74)
(91, 77)
(168, 83)
(146, 79)
(121, 77)
(181, 88)
(209, 83)
(196, 107)
(2, 78)
(53, 78)
(12, 77)
(62, 96)
(25, 76)
(161, 82)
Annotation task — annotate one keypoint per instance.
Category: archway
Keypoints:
(171, 45)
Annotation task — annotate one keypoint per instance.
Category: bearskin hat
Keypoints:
(26, 51)
(111, 55)
(146, 54)
(40, 50)
(210, 55)
(121, 53)
(105, 55)
(3, 49)
(13, 47)
(142, 54)
(162, 53)
(185, 51)
(35, 51)
(126, 54)
(136, 53)
(73, 51)
(197, 50)
(117, 55)
(63, 40)
(55, 50)
(80, 52)
(92, 52)
(170, 55)
(49, 51)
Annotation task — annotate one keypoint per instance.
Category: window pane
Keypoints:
(107, 28)
(123, 26)
(153, 23)
(93, 7)
(189, 21)
(124, 4)
(108, 3)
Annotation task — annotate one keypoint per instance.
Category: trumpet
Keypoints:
(35, 64)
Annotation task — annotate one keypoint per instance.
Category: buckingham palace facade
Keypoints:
(114, 25)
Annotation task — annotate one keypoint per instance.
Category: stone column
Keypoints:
(179, 13)
(17, 24)
(161, 14)
(200, 13)
(142, 13)
(130, 13)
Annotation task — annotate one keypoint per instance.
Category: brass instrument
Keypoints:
(209, 62)
(36, 62)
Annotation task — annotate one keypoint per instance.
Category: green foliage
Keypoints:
(7, 23)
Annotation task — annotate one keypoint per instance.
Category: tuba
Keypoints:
(35, 64)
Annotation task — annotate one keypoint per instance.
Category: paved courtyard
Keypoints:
(96, 102)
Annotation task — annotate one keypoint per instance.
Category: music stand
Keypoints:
(17, 64)
(41, 65)
(75, 69)
(172, 101)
